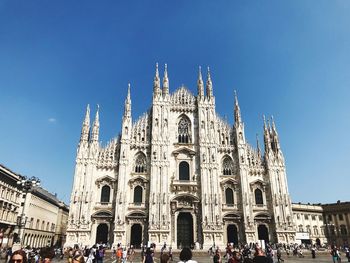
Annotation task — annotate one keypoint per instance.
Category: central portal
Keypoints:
(184, 230)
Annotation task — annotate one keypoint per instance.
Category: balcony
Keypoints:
(137, 206)
(229, 207)
(184, 185)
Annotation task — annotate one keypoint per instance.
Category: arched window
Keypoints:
(105, 192)
(227, 166)
(229, 196)
(258, 197)
(140, 163)
(184, 171)
(184, 129)
(138, 195)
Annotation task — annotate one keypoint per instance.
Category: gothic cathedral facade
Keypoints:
(179, 175)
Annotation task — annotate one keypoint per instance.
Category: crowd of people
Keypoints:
(121, 254)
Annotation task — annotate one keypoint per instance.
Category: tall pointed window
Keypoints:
(229, 197)
(105, 193)
(184, 171)
(184, 130)
(138, 195)
(258, 197)
(227, 166)
(140, 163)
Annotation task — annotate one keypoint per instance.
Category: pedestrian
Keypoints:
(217, 257)
(100, 253)
(78, 257)
(335, 255)
(148, 257)
(131, 254)
(260, 256)
(186, 256)
(164, 258)
(347, 253)
(18, 256)
(279, 255)
(46, 254)
(125, 255)
(313, 251)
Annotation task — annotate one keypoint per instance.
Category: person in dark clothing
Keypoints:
(260, 256)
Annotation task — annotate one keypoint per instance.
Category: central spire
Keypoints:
(127, 103)
(237, 111)
(165, 81)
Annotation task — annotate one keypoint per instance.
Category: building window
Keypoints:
(341, 217)
(43, 225)
(313, 217)
(320, 218)
(140, 163)
(105, 193)
(258, 197)
(332, 230)
(31, 222)
(315, 231)
(47, 226)
(306, 217)
(229, 196)
(37, 224)
(184, 171)
(301, 228)
(343, 230)
(138, 195)
(329, 217)
(308, 229)
(227, 166)
(298, 216)
(184, 128)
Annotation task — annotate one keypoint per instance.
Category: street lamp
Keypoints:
(26, 184)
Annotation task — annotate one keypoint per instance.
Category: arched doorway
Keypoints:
(184, 230)
(263, 233)
(136, 236)
(232, 234)
(102, 233)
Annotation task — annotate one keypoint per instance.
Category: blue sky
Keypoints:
(289, 59)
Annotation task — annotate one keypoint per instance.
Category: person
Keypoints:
(171, 253)
(78, 257)
(217, 257)
(347, 253)
(279, 255)
(164, 258)
(313, 251)
(8, 254)
(125, 255)
(260, 256)
(234, 257)
(148, 256)
(186, 256)
(18, 256)
(47, 254)
(335, 254)
(119, 253)
(100, 253)
(131, 253)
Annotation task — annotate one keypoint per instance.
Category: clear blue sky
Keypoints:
(289, 59)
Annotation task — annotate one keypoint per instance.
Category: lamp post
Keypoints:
(26, 184)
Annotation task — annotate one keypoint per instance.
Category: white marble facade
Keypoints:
(179, 174)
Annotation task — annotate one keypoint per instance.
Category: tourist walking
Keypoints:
(313, 251)
(335, 255)
(148, 257)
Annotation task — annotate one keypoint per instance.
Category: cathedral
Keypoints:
(180, 175)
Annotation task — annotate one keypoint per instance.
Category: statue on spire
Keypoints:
(85, 131)
(127, 103)
(96, 126)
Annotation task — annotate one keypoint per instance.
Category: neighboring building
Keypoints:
(45, 216)
(45, 219)
(10, 197)
(180, 174)
(337, 222)
(309, 223)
